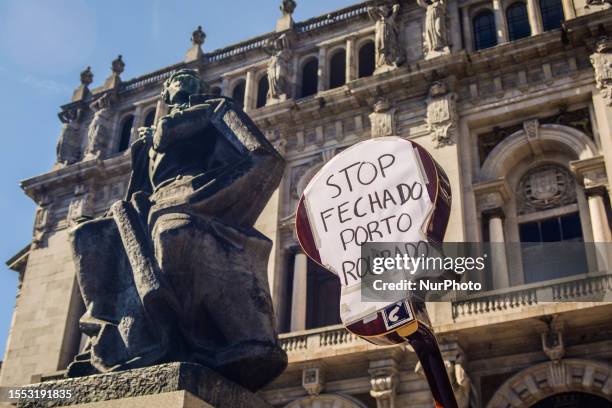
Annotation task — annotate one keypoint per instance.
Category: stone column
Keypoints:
(591, 173)
(568, 9)
(468, 34)
(599, 218)
(491, 196)
(351, 60)
(500, 22)
(535, 20)
(601, 60)
(250, 91)
(322, 85)
(299, 294)
(454, 30)
(499, 261)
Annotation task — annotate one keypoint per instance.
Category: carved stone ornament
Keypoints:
(288, 6)
(82, 92)
(313, 380)
(545, 187)
(389, 51)
(552, 338)
(81, 206)
(383, 384)
(442, 115)
(176, 270)
(602, 63)
(198, 37)
(41, 222)
(382, 119)
(435, 34)
(278, 70)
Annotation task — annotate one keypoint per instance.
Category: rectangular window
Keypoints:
(552, 248)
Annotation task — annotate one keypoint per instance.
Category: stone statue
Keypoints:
(176, 271)
(68, 148)
(278, 68)
(436, 42)
(389, 52)
(97, 133)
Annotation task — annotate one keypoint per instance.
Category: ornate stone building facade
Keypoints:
(511, 97)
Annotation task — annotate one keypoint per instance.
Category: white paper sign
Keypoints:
(375, 191)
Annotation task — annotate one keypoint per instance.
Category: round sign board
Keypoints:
(386, 189)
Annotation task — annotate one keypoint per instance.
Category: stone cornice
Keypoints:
(37, 187)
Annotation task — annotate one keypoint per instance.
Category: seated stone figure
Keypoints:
(176, 271)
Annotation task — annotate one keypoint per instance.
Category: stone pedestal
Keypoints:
(173, 385)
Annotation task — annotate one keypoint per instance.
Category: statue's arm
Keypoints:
(139, 179)
(180, 125)
(422, 3)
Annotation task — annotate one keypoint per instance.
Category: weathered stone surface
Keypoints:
(159, 380)
(176, 271)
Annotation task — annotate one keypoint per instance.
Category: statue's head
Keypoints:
(180, 86)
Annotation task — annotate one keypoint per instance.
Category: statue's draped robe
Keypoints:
(435, 29)
(176, 272)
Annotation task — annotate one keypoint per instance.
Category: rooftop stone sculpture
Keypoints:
(176, 271)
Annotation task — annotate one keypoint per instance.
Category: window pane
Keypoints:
(551, 230)
(238, 94)
(530, 232)
(310, 78)
(366, 60)
(571, 228)
(518, 21)
(126, 133)
(484, 30)
(337, 70)
(552, 14)
(262, 92)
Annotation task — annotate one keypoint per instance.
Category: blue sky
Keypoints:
(45, 44)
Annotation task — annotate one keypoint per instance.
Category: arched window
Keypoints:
(149, 118)
(552, 14)
(262, 91)
(366, 59)
(126, 133)
(549, 224)
(484, 30)
(518, 21)
(337, 69)
(215, 90)
(239, 92)
(310, 78)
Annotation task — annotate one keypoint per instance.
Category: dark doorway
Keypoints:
(337, 70)
(323, 304)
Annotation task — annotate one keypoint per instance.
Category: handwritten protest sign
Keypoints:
(380, 190)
